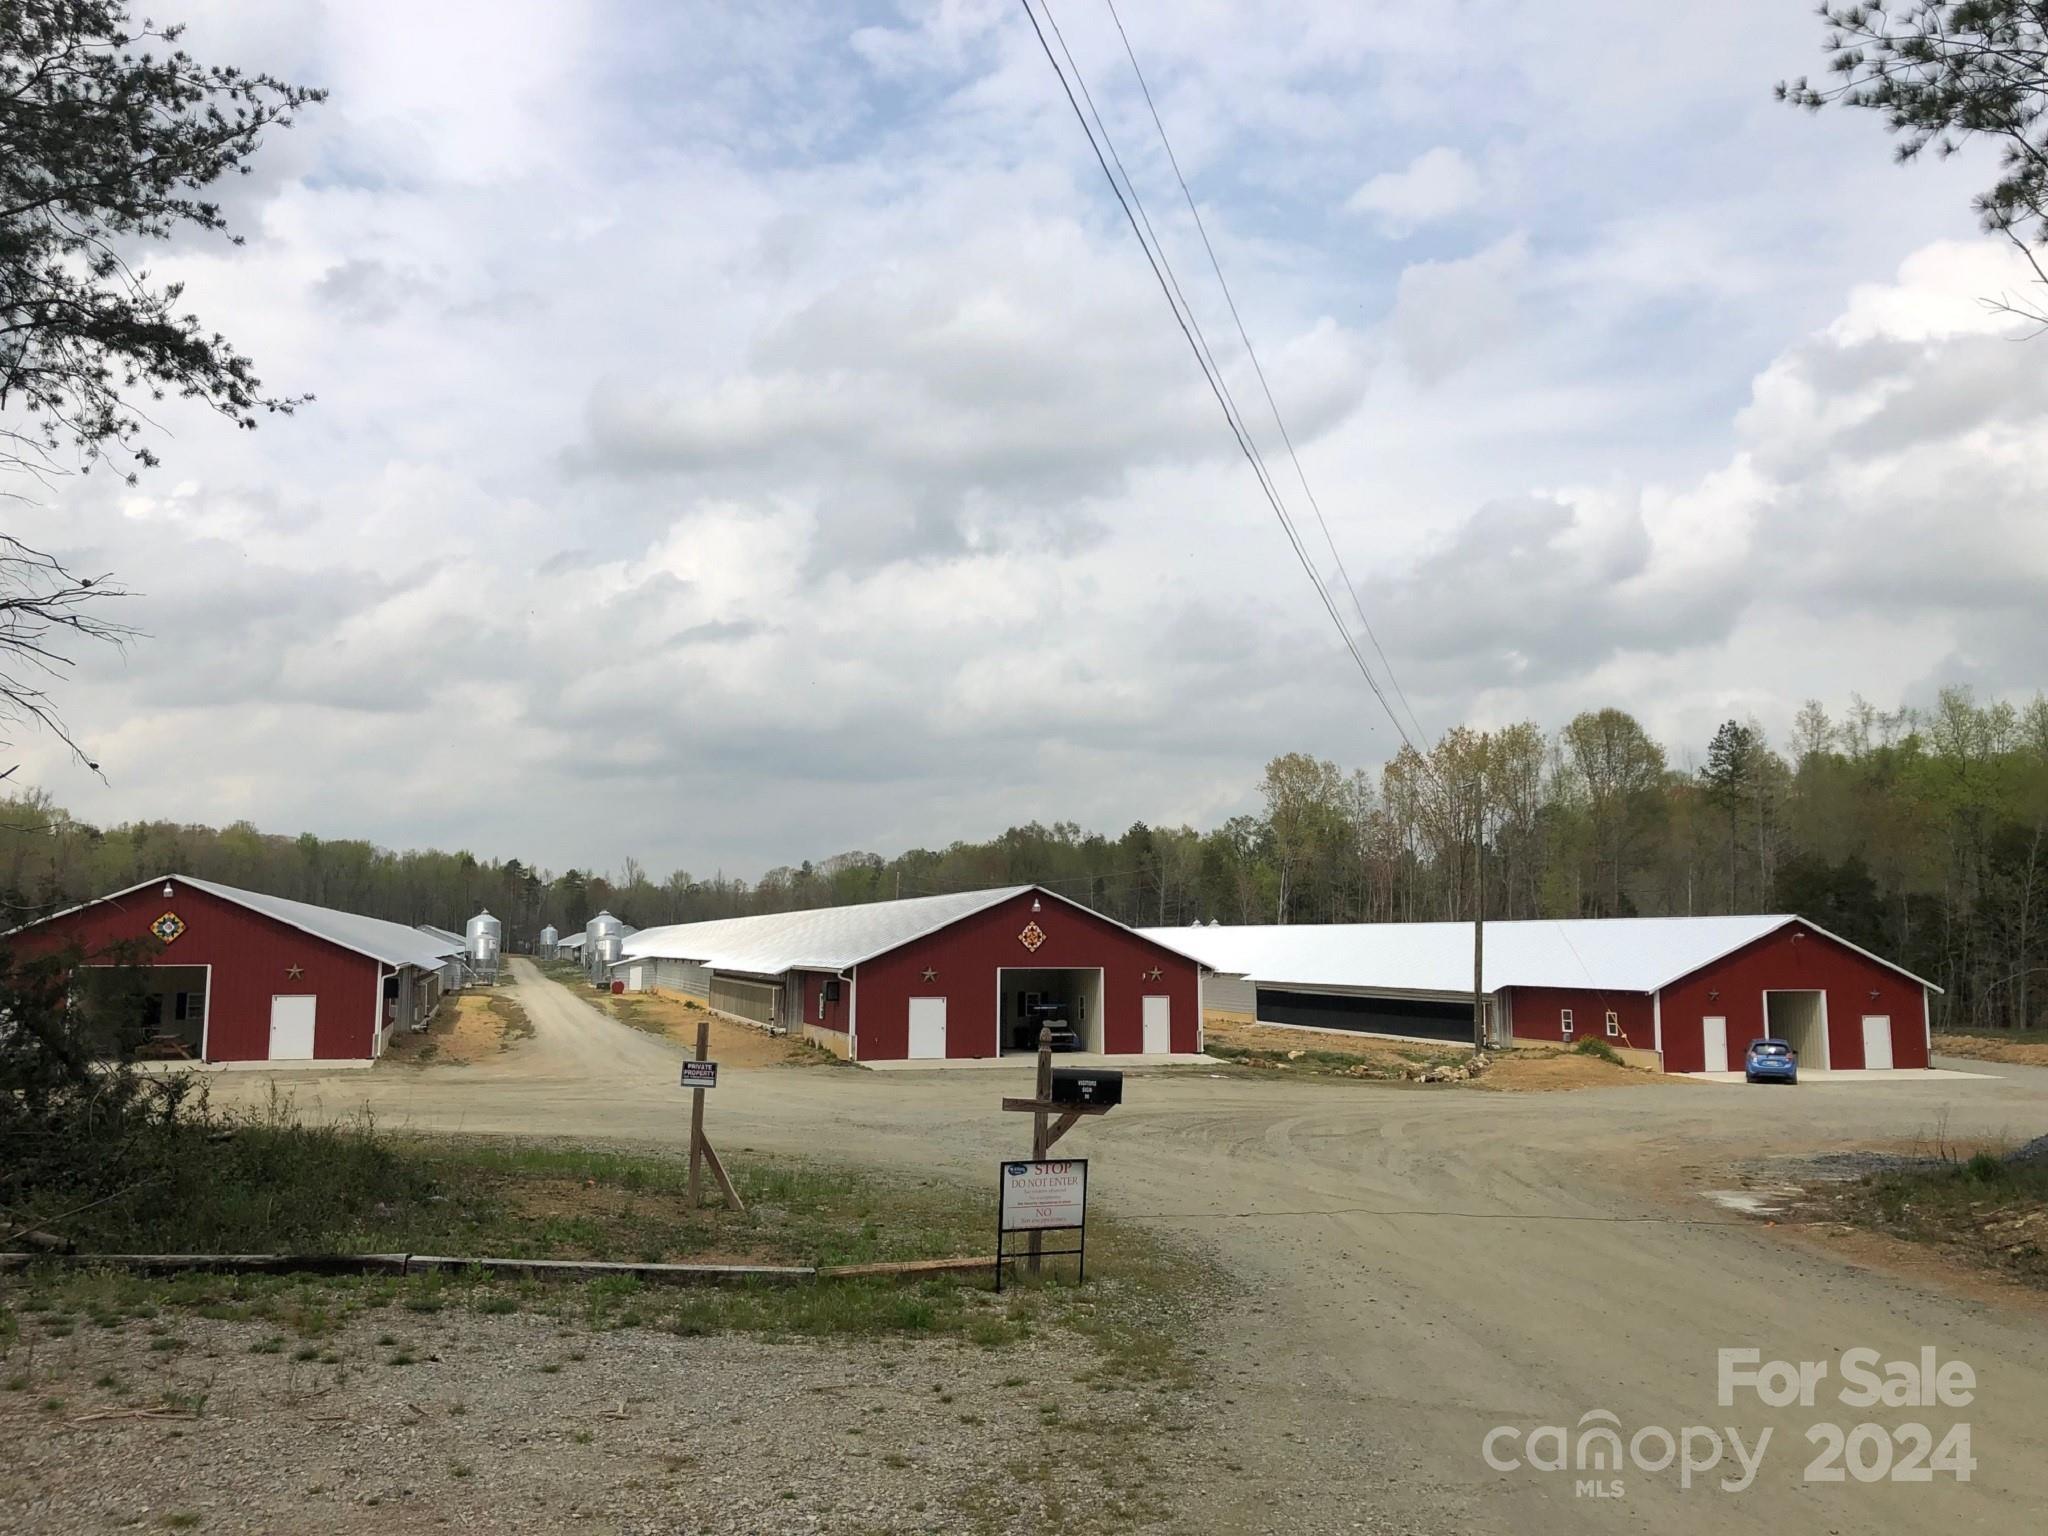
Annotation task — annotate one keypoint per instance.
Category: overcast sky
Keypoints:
(750, 433)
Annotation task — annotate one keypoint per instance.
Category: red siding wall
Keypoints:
(1536, 1010)
(812, 988)
(1794, 957)
(967, 955)
(250, 955)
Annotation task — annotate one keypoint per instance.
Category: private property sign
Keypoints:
(1045, 1196)
(700, 1074)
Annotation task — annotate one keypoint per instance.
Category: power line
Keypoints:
(1191, 329)
(1258, 368)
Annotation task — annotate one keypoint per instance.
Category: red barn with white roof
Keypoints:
(1694, 990)
(239, 976)
(933, 977)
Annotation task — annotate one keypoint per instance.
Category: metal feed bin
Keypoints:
(484, 936)
(603, 936)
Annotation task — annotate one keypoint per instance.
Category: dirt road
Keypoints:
(1415, 1268)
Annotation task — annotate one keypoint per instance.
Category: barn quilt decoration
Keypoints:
(168, 927)
(1031, 937)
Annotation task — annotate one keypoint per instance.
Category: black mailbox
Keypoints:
(1084, 1085)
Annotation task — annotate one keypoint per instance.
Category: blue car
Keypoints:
(1771, 1061)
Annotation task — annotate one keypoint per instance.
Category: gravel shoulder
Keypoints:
(536, 1423)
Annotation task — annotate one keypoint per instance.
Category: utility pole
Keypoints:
(1479, 925)
(1479, 898)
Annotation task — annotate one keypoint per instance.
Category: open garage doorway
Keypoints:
(1075, 993)
(143, 1012)
(1800, 1019)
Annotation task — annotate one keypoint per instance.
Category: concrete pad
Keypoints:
(1025, 1059)
(1826, 1075)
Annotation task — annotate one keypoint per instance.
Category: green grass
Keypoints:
(1600, 1050)
(288, 1188)
(507, 1199)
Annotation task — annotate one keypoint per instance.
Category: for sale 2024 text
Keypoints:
(1866, 1451)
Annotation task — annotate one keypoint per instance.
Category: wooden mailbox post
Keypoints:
(1046, 1129)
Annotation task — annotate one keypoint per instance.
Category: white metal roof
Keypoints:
(392, 943)
(1619, 954)
(453, 943)
(820, 938)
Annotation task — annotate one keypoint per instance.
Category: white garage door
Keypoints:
(291, 1028)
(1158, 1026)
(927, 1029)
(1877, 1040)
(1714, 1032)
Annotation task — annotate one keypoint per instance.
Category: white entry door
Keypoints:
(1877, 1040)
(636, 979)
(291, 1028)
(1714, 1032)
(1158, 1026)
(927, 1029)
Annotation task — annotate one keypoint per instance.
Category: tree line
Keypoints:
(1918, 834)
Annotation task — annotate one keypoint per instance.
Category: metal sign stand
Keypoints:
(1044, 1131)
(701, 1150)
(1037, 1234)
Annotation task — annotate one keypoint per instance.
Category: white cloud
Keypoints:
(1878, 514)
(1447, 313)
(1438, 183)
(740, 439)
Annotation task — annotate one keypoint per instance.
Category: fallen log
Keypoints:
(907, 1268)
(594, 1269)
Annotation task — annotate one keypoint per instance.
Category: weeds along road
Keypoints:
(1411, 1269)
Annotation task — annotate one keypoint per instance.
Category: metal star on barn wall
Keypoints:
(930, 974)
(1154, 974)
(294, 972)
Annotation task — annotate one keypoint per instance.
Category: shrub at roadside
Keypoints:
(80, 1131)
(1987, 1210)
